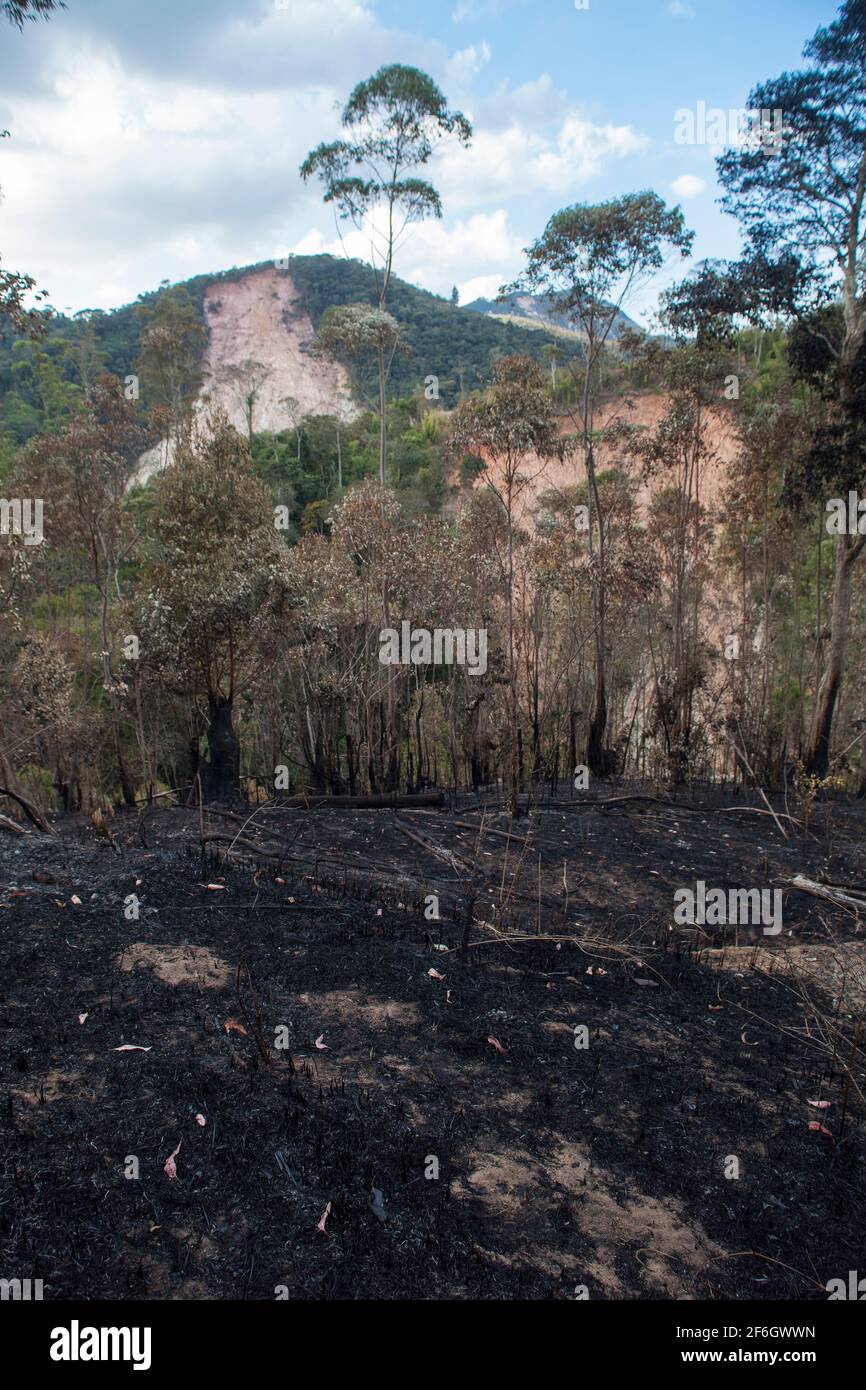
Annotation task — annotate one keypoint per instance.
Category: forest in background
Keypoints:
(222, 623)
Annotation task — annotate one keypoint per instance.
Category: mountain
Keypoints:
(540, 311)
(267, 315)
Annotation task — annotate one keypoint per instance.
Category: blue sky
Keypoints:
(161, 140)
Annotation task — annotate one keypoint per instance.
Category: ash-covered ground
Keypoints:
(367, 1101)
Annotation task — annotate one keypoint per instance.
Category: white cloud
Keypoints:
(467, 62)
(434, 255)
(499, 163)
(678, 9)
(171, 146)
(688, 186)
(480, 287)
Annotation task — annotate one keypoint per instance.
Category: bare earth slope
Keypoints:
(258, 319)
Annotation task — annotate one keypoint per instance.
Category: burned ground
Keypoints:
(558, 1166)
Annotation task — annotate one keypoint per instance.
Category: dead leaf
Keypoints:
(821, 1129)
(232, 1026)
(320, 1225)
(82, 1018)
(131, 1047)
(321, 1044)
(200, 1120)
(497, 1044)
(215, 887)
(170, 1167)
(75, 900)
(820, 1104)
(434, 975)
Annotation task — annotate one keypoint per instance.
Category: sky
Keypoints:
(155, 140)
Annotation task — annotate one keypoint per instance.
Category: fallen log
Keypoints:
(828, 892)
(29, 810)
(6, 823)
(361, 803)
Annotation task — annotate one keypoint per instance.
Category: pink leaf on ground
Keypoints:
(320, 1044)
(215, 887)
(497, 1044)
(232, 1026)
(82, 1018)
(130, 1047)
(169, 1167)
(75, 900)
(320, 1224)
(821, 1129)
(434, 975)
(200, 1120)
(820, 1104)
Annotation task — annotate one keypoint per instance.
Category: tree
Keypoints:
(357, 332)
(13, 291)
(85, 468)
(170, 363)
(511, 427)
(248, 378)
(804, 198)
(213, 588)
(588, 261)
(394, 120)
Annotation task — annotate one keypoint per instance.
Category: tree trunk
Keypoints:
(382, 422)
(847, 550)
(818, 760)
(223, 769)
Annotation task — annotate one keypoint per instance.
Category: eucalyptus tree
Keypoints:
(588, 261)
(393, 123)
(510, 426)
(800, 200)
(212, 610)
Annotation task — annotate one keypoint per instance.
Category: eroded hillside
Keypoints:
(259, 359)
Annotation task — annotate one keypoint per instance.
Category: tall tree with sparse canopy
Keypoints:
(803, 197)
(393, 121)
(589, 260)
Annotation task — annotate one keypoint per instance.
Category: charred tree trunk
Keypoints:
(847, 550)
(223, 768)
(848, 547)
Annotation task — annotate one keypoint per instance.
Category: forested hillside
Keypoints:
(44, 383)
